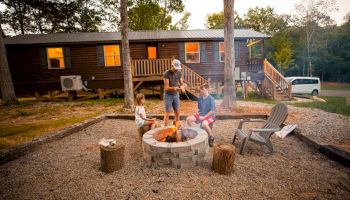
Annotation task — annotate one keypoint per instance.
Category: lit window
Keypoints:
(152, 52)
(192, 52)
(55, 58)
(111, 54)
(222, 51)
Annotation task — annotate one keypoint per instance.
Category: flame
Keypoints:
(174, 131)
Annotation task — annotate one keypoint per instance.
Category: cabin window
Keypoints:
(192, 54)
(152, 52)
(55, 58)
(112, 55)
(222, 51)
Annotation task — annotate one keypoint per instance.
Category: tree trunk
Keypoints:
(224, 158)
(7, 90)
(229, 101)
(128, 88)
(112, 158)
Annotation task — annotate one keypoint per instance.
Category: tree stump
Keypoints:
(142, 130)
(112, 157)
(223, 158)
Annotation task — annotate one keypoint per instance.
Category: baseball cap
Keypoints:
(177, 64)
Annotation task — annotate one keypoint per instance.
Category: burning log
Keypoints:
(223, 158)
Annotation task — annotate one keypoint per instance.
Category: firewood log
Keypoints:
(112, 157)
(143, 129)
(223, 158)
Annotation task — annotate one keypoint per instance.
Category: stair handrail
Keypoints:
(192, 78)
(277, 77)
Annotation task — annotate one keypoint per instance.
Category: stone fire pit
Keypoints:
(178, 155)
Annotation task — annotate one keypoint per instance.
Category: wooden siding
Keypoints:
(215, 70)
(28, 76)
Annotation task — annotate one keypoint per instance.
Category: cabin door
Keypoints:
(152, 51)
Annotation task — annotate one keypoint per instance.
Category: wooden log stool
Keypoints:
(142, 130)
(223, 158)
(112, 157)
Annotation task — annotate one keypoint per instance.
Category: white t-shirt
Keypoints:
(138, 111)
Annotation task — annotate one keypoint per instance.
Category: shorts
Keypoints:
(209, 119)
(171, 101)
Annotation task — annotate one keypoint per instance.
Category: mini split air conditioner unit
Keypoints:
(72, 82)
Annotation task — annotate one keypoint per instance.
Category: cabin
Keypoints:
(39, 61)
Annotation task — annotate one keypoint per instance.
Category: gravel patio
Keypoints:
(69, 169)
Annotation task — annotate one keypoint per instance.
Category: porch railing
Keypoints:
(282, 83)
(156, 67)
(255, 65)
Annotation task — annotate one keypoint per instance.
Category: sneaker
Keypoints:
(211, 141)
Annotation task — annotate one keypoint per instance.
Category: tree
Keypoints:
(216, 20)
(182, 24)
(128, 88)
(6, 85)
(110, 15)
(282, 53)
(229, 78)
(169, 7)
(17, 14)
(265, 20)
(89, 18)
(310, 15)
(148, 15)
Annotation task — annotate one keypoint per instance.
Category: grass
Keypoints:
(253, 96)
(13, 135)
(30, 119)
(333, 105)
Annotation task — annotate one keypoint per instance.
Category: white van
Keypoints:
(305, 85)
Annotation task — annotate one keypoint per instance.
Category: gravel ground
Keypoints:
(69, 169)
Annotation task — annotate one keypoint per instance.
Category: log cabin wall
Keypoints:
(28, 76)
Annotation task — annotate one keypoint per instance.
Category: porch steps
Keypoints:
(275, 85)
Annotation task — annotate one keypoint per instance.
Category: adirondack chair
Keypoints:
(262, 135)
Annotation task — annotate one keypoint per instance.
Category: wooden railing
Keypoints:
(268, 87)
(282, 83)
(156, 67)
(151, 67)
(191, 78)
(255, 65)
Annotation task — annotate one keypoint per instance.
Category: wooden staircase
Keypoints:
(153, 69)
(274, 85)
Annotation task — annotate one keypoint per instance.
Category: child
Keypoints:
(140, 114)
(206, 112)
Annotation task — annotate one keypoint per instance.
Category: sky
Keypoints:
(199, 9)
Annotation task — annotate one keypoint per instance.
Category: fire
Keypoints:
(172, 134)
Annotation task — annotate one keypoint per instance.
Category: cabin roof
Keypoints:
(134, 36)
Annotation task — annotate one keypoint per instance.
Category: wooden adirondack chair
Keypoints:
(262, 135)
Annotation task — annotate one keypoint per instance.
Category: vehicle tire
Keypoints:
(314, 93)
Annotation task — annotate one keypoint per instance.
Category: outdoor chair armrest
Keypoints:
(248, 120)
(265, 129)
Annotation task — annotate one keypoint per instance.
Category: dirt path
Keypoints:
(335, 93)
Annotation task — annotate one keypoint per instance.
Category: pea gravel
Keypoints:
(69, 169)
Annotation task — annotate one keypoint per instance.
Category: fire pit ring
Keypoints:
(178, 155)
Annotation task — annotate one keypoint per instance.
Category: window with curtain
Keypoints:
(111, 55)
(192, 54)
(55, 58)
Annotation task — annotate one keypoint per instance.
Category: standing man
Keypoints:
(206, 112)
(173, 85)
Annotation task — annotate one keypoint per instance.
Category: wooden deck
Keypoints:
(153, 69)
(273, 86)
